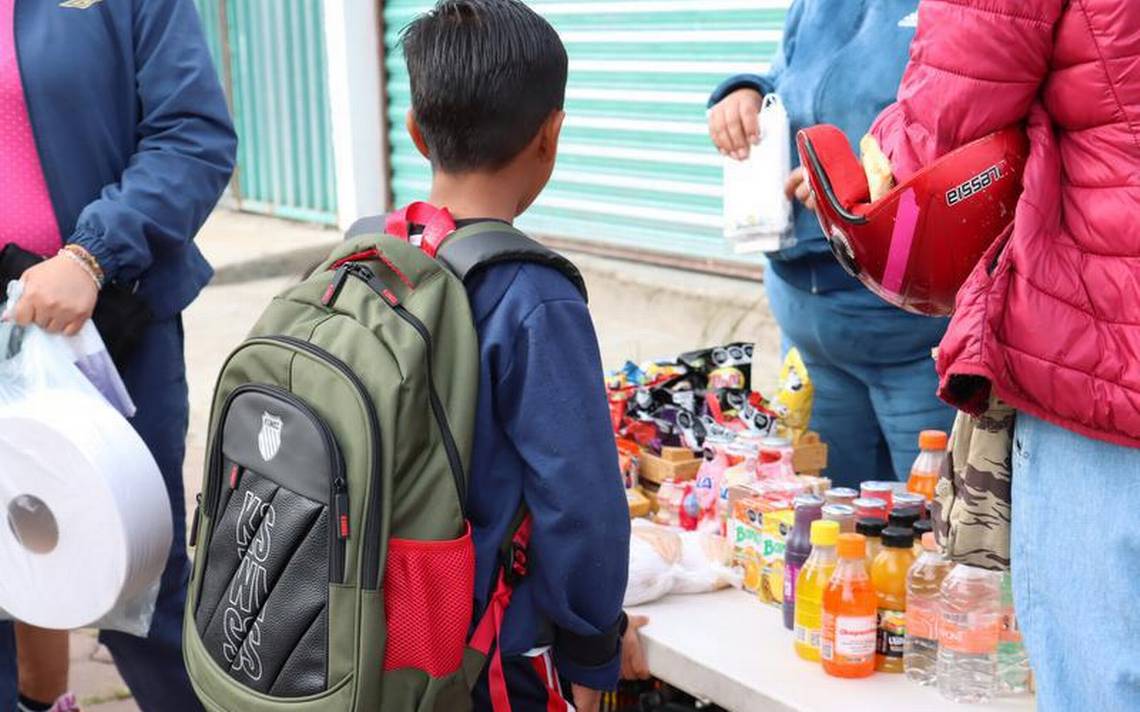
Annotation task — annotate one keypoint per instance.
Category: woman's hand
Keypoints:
(799, 188)
(633, 664)
(734, 123)
(59, 296)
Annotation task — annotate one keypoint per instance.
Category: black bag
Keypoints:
(120, 315)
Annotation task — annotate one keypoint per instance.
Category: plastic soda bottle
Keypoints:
(796, 551)
(873, 530)
(850, 624)
(923, 597)
(888, 575)
(1013, 661)
(927, 468)
(969, 628)
(810, 585)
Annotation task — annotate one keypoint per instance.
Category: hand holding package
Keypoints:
(757, 213)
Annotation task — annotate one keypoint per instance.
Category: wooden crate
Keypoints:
(639, 504)
(658, 469)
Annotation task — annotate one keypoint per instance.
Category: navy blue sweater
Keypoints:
(543, 436)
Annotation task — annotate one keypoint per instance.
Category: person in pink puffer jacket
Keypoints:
(1050, 321)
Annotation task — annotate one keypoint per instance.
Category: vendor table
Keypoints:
(732, 650)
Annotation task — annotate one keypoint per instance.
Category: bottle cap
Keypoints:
(905, 517)
(870, 527)
(929, 543)
(922, 527)
(852, 546)
(824, 532)
(933, 440)
(898, 538)
(807, 501)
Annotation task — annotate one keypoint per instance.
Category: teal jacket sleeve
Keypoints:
(553, 406)
(765, 83)
(186, 147)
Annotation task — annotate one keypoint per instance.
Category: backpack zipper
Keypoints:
(338, 492)
(370, 568)
(366, 275)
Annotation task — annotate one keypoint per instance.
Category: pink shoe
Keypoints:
(66, 703)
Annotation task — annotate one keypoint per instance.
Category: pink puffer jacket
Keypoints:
(1051, 318)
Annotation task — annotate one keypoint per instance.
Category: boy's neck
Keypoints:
(475, 195)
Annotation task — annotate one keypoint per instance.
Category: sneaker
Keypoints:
(66, 703)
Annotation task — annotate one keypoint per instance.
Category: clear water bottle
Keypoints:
(969, 628)
(923, 608)
(1013, 661)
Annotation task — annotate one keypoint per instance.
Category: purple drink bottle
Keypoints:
(798, 547)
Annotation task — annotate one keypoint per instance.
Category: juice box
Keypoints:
(773, 538)
(745, 532)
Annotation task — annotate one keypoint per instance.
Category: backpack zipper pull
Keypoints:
(374, 283)
(340, 507)
(333, 290)
(197, 516)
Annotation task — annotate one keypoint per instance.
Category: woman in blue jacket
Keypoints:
(840, 63)
(117, 144)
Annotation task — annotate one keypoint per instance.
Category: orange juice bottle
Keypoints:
(811, 582)
(888, 576)
(850, 623)
(927, 468)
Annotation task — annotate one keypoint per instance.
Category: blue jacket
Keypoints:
(543, 436)
(133, 134)
(840, 63)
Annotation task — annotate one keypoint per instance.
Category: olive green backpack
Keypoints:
(334, 568)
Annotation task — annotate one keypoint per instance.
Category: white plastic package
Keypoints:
(86, 522)
(664, 561)
(757, 214)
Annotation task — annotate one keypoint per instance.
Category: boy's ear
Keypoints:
(416, 134)
(548, 136)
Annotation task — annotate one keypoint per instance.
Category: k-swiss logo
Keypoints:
(269, 439)
(79, 4)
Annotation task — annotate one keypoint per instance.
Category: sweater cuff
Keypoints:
(98, 248)
(740, 81)
(593, 661)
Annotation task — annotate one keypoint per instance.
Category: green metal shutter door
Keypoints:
(636, 168)
(274, 53)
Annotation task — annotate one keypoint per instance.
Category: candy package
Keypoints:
(793, 402)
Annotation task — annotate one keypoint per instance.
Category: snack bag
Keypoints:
(774, 535)
(794, 401)
(880, 176)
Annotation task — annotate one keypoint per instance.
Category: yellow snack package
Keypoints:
(777, 526)
(794, 400)
(747, 538)
(880, 176)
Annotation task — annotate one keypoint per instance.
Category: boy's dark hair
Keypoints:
(485, 76)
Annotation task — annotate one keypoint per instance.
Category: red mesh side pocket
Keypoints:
(429, 587)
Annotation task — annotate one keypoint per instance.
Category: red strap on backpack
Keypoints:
(437, 222)
(487, 632)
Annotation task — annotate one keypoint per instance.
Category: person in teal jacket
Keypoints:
(841, 63)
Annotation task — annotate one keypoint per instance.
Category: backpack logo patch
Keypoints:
(269, 439)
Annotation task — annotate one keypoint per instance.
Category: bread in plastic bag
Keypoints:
(48, 381)
(664, 561)
(757, 213)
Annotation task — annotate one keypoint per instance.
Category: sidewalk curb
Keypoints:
(280, 264)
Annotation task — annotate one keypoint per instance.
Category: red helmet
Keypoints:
(915, 246)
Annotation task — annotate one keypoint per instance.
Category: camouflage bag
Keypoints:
(972, 501)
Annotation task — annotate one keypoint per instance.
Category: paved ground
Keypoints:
(640, 312)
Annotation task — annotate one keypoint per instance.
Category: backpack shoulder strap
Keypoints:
(479, 246)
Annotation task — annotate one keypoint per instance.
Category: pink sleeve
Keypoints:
(975, 67)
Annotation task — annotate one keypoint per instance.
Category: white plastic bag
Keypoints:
(757, 213)
(85, 521)
(664, 561)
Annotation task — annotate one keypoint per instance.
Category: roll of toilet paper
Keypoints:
(85, 521)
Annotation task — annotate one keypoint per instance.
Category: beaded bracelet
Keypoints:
(84, 259)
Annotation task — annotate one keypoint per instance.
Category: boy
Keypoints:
(488, 83)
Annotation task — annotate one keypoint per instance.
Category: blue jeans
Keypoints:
(1076, 566)
(875, 383)
(152, 667)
